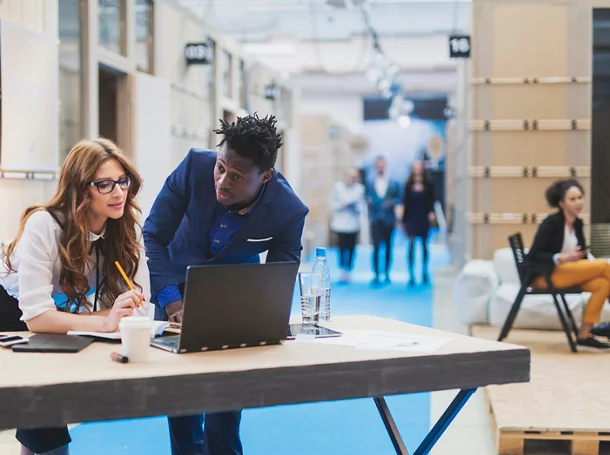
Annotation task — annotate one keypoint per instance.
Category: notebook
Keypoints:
(157, 329)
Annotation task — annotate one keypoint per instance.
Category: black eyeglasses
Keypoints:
(107, 186)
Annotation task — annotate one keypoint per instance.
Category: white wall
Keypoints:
(152, 132)
(16, 190)
(347, 110)
(191, 87)
(39, 16)
(413, 52)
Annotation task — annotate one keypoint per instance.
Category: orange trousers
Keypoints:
(590, 276)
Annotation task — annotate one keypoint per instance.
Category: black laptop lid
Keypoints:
(237, 305)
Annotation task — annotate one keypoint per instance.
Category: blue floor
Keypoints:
(345, 427)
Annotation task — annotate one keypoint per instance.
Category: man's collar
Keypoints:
(248, 210)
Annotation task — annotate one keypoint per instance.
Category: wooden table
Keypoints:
(39, 390)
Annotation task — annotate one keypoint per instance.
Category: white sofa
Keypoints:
(485, 291)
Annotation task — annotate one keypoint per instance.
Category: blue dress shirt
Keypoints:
(225, 224)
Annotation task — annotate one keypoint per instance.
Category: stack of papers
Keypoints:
(379, 340)
(157, 329)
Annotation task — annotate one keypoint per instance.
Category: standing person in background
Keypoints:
(383, 194)
(418, 215)
(347, 204)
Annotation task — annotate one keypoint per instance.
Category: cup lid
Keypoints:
(135, 320)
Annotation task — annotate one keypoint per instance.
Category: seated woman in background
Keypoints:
(560, 245)
(59, 273)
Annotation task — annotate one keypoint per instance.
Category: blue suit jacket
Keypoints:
(176, 233)
(382, 209)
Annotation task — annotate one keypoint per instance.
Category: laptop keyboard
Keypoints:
(171, 341)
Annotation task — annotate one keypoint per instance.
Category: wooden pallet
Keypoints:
(532, 441)
(516, 442)
(549, 415)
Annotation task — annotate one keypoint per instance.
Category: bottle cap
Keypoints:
(321, 252)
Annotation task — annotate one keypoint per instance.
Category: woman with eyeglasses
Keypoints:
(58, 274)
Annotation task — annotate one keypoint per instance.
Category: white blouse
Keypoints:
(347, 204)
(37, 265)
(570, 242)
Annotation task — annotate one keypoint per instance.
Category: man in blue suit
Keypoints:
(222, 207)
(383, 194)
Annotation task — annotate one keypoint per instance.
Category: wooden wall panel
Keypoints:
(531, 148)
(314, 130)
(512, 194)
(531, 101)
(486, 238)
(520, 47)
(523, 41)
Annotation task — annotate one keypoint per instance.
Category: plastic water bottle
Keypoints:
(321, 278)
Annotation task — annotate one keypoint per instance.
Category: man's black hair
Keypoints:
(254, 138)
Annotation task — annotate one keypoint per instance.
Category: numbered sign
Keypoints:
(198, 53)
(459, 46)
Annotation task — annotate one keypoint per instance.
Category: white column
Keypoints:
(89, 67)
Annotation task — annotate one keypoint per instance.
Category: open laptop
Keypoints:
(233, 306)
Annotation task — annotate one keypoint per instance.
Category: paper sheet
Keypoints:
(379, 340)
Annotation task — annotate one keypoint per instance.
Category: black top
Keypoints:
(549, 239)
(428, 199)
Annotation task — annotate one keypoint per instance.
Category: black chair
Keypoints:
(527, 272)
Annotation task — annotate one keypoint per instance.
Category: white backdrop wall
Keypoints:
(400, 146)
(346, 109)
(30, 100)
(18, 192)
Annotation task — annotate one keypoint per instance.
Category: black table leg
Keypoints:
(390, 426)
(435, 433)
(445, 420)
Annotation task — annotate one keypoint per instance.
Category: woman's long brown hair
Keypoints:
(411, 180)
(70, 205)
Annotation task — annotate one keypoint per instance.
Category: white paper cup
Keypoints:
(135, 337)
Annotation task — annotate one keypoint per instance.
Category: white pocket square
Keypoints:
(260, 240)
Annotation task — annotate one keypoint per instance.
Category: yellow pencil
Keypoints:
(129, 285)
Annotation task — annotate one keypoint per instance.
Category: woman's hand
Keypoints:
(123, 306)
(575, 255)
(431, 218)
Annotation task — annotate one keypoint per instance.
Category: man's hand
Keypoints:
(174, 311)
